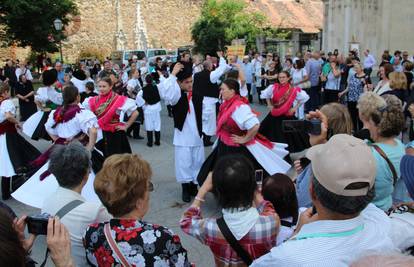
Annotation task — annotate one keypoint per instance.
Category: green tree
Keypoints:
(30, 23)
(221, 21)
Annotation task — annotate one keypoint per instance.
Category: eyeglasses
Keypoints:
(150, 187)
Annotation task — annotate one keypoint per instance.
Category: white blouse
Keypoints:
(45, 94)
(127, 108)
(302, 96)
(244, 117)
(6, 106)
(82, 122)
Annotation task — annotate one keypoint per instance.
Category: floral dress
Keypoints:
(141, 243)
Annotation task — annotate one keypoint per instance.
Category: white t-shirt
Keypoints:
(298, 75)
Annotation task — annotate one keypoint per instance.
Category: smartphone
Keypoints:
(37, 225)
(259, 177)
(312, 126)
(304, 162)
(314, 211)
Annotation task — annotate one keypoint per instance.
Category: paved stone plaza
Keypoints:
(166, 205)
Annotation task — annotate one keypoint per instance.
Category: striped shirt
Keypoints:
(335, 243)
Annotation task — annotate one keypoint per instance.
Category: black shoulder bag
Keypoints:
(61, 213)
(228, 235)
(390, 165)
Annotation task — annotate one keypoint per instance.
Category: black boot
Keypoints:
(150, 138)
(129, 130)
(186, 197)
(193, 189)
(157, 138)
(5, 188)
(137, 127)
(206, 140)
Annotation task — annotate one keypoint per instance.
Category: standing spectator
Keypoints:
(408, 71)
(271, 74)
(300, 79)
(89, 91)
(398, 85)
(96, 69)
(248, 70)
(346, 226)
(280, 191)
(60, 72)
(385, 120)
(397, 64)
(124, 186)
(384, 84)
(70, 165)
(107, 71)
(25, 94)
(251, 220)
(357, 83)
(22, 69)
(369, 63)
(10, 73)
(405, 58)
(332, 75)
(313, 68)
(288, 65)
(257, 72)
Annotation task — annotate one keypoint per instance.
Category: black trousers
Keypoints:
(249, 90)
(314, 98)
(353, 111)
(330, 96)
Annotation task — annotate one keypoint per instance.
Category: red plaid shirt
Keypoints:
(257, 242)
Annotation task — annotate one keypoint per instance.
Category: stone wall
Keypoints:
(167, 23)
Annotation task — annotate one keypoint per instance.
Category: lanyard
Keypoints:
(339, 234)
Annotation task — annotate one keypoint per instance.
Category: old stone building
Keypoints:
(377, 25)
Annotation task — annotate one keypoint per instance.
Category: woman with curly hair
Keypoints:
(384, 119)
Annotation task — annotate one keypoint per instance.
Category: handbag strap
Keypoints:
(61, 213)
(114, 246)
(228, 235)
(390, 165)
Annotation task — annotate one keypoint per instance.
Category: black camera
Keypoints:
(37, 224)
(312, 126)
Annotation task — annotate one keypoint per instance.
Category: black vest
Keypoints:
(202, 85)
(150, 94)
(180, 111)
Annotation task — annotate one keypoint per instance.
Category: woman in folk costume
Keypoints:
(15, 151)
(237, 128)
(65, 124)
(47, 98)
(110, 108)
(283, 101)
(150, 101)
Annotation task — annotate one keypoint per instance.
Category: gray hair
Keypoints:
(387, 260)
(207, 65)
(70, 163)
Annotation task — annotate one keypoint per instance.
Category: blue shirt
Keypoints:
(60, 76)
(302, 187)
(384, 189)
(314, 68)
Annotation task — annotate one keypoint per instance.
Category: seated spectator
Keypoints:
(71, 165)
(388, 260)
(384, 119)
(124, 186)
(280, 191)
(335, 120)
(254, 228)
(15, 247)
(346, 226)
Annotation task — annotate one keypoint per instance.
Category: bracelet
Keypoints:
(199, 199)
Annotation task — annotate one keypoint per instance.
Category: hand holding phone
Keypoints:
(259, 178)
(37, 225)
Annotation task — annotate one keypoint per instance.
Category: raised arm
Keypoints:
(168, 88)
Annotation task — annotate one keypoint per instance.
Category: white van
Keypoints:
(156, 52)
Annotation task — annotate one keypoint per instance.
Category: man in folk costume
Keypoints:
(206, 86)
(187, 114)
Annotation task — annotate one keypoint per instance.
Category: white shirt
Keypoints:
(127, 108)
(369, 62)
(82, 122)
(298, 75)
(27, 72)
(79, 84)
(170, 91)
(49, 93)
(77, 220)
(6, 106)
(217, 73)
(372, 233)
(146, 107)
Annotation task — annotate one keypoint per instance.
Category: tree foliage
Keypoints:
(30, 22)
(221, 21)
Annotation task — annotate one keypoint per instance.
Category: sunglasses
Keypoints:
(150, 187)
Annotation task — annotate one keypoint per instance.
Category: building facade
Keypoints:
(376, 25)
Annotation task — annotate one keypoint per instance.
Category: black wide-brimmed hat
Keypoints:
(49, 77)
(79, 74)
